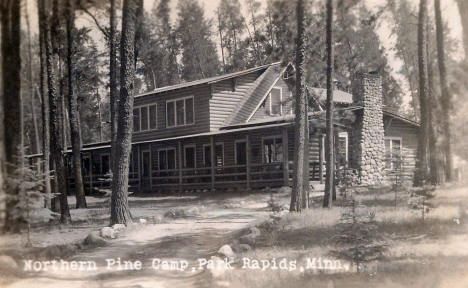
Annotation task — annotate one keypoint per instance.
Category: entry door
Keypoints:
(146, 169)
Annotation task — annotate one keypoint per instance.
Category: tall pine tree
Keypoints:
(199, 55)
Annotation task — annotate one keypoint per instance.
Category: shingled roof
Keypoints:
(209, 80)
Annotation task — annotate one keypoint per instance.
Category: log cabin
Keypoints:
(237, 131)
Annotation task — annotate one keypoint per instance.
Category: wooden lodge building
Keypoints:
(237, 130)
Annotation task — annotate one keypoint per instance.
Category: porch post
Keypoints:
(140, 166)
(321, 158)
(180, 166)
(247, 156)
(212, 151)
(151, 167)
(90, 171)
(285, 157)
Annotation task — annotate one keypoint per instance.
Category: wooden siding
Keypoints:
(248, 106)
(224, 101)
(409, 138)
(201, 95)
(262, 111)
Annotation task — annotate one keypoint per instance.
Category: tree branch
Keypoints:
(102, 29)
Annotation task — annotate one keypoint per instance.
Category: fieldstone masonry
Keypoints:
(367, 137)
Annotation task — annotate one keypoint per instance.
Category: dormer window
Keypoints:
(276, 101)
(180, 112)
(145, 118)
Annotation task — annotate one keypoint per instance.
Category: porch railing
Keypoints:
(255, 175)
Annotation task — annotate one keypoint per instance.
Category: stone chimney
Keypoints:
(367, 136)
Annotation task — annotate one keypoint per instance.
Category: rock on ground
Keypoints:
(118, 227)
(107, 232)
(94, 240)
(226, 251)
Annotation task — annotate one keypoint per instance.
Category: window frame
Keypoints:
(167, 162)
(235, 150)
(280, 103)
(149, 117)
(100, 162)
(150, 171)
(344, 134)
(185, 111)
(194, 155)
(274, 137)
(209, 145)
(391, 139)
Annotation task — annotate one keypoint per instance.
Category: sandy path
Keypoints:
(183, 239)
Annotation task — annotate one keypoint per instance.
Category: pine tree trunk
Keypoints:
(120, 212)
(463, 10)
(55, 117)
(329, 150)
(114, 103)
(11, 67)
(446, 98)
(421, 163)
(36, 142)
(433, 163)
(45, 102)
(75, 129)
(297, 194)
(221, 41)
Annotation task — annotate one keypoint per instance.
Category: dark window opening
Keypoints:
(272, 150)
(104, 164)
(189, 157)
(241, 153)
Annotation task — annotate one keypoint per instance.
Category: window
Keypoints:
(393, 153)
(152, 120)
(180, 112)
(167, 159)
(276, 101)
(146, 162)
(145, 118)
(136, 120)
(342, 148)
(219, 154)
(272, 149)
(104, 164)
(189, 156)
(86, 165)
(241, 152)
(132, 166)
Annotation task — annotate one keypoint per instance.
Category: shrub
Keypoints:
(357, 236)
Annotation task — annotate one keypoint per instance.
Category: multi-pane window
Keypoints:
(180, 112)
(272, 149)
(276, 101)
(145, 118)
(342, 148)
(167, 159)
(393, 153)
(219, 154)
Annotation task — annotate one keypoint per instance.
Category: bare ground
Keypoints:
(433, 253)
